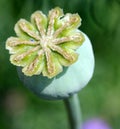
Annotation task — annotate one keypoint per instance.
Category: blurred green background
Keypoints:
(20, 109)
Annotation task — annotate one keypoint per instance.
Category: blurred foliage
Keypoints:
(20, 109)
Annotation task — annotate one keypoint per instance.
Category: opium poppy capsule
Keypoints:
(53, 57)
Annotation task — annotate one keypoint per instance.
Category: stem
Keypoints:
(73, 110)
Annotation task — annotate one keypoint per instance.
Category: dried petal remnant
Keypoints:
(44, 45)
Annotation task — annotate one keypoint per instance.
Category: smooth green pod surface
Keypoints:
(70, 81)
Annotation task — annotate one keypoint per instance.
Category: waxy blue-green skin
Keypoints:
(70, 81)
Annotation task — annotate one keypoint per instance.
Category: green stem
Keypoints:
(73, 110)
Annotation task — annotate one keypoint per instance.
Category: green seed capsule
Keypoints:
(47, 52)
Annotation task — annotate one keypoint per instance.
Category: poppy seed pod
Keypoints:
(54, 58)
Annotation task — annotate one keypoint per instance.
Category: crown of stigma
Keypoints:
(45, 44)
